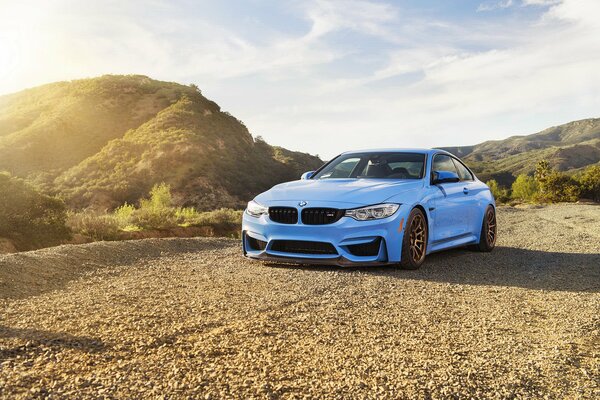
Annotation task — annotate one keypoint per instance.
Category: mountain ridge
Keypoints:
(104, 141)
(568, 148)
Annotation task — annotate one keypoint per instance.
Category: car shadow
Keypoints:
(39, 341)
(505, 266)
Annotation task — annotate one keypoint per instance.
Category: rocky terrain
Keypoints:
(191, 318)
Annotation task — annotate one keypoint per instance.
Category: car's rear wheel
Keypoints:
(414, 243)
(487, 239)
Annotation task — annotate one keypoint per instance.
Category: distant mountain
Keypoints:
(567, 147)
(104, 141)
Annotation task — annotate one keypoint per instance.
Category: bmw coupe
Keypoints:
(377, 207)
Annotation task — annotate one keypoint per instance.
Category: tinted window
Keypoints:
(342, 169)
(442, 162)
(375, 166)
(463, 172)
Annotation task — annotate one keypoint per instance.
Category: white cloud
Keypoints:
(494, 5)
(540, 2)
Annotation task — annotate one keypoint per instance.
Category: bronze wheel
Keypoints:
(489, 233)
(491, 226)
(414, 244)
(417, 238)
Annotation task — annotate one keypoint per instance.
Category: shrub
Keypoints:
(157, 218)
(186, 216)
(224, 221)
(160, 197)
(156, 212)
(500, 194)
(560, 187)
(28, 218)
(555, 186)
(123, 215)
(589, 182)
(94, 225)
(524, 188)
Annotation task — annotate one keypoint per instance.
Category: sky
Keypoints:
(325, 76)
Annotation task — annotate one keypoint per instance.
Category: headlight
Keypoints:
(255, 209)
(377, 211)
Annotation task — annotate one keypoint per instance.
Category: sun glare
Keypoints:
(22, 36)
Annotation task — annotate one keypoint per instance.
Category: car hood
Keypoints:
(355, 191)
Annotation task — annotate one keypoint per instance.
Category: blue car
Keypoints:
(378, 207)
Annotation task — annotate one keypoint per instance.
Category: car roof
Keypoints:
(398, 150)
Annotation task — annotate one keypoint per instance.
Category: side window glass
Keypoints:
(463, 172)
(442, 162)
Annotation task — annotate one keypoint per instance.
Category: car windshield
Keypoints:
(374, 166)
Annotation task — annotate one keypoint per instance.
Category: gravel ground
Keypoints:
(191, 318)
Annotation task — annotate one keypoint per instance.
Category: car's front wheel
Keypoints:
(414, 243)
(487, 239)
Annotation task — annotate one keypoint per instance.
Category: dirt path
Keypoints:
(192, 318)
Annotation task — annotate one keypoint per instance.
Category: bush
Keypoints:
(94, 225)
(555, 186)
(123, 215)
(28, 218)
(524, 188)
(560, 187)
(160, 198)
(154, 218)
(500, 194)
(156, 212)
(186, 216)
(589, 183)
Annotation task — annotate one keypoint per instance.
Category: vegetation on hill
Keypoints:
(28, 218)
(567, 148)
(157, 212)
(548, 185)
(105, 141)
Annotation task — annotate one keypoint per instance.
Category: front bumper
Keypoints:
(345, 235)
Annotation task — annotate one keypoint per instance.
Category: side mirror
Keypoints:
(444, 177)
(307, 175)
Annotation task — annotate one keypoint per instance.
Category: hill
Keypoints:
(104, 141)
(567, 148)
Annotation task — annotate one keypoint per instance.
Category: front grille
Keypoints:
(256, 244)
(365, 249)
(302, 247)
(321, 216)
(283, 215)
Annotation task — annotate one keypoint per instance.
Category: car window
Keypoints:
(343, 169)
(374, 165)
(463, 172)
(442, 162)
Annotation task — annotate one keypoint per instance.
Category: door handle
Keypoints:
(466, 190)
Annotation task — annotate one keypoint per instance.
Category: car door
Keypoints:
(470, 208)
(450, 221)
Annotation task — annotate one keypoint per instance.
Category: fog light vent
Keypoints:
(370, 249)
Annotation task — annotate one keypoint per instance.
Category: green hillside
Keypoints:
(568, 148)
(105, 141)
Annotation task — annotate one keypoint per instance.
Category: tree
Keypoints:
(555, 186)
(542, 171)
(589, 182)
(500, 194)
(560, 187)
(525, 188)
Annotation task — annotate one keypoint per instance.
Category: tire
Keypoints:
(414, 242)
(488, 236)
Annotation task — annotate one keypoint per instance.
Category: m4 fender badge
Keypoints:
(302, 203)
